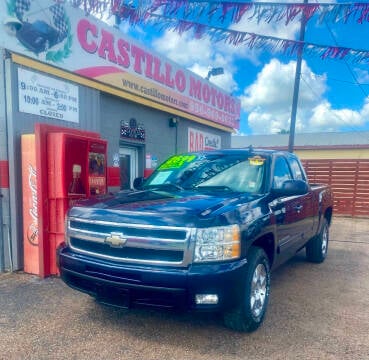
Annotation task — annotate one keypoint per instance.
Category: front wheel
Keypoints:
(249, 314)
(317, 247)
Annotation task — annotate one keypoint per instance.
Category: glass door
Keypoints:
(128, 167)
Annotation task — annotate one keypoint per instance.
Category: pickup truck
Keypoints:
(202, 233)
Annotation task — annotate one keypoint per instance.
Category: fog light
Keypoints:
(207, 299)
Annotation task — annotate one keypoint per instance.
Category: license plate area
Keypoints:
(113, 296)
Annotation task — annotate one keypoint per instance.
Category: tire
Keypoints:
(249, 314)
(317, 247)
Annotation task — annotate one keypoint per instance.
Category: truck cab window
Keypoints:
(241, 177)
(281, 172)
(297, 172)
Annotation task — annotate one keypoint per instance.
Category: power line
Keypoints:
(344, 81)
(347, 65)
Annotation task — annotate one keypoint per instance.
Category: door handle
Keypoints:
(298, 208)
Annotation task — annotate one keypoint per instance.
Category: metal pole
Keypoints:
(297, 83)
(2, 155)
(176, 144)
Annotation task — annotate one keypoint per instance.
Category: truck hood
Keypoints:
(177, 208)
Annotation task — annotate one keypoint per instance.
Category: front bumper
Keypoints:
(127, 285)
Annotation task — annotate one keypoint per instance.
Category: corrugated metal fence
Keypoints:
(349, 180)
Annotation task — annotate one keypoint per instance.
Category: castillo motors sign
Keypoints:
(62, 36)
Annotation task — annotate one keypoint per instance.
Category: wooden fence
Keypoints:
(349, 180)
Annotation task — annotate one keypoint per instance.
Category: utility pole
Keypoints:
(296, 87)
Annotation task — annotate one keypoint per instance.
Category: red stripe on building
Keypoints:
(4, 174)
(113, 174)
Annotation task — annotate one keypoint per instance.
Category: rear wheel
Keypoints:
(249, 314)
(317, 247)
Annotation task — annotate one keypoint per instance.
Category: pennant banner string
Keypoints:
(229, 12)
(182, 16)
(256, 41)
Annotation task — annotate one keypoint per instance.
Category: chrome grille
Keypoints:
(143, 244)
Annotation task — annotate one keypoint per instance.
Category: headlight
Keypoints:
(217, 243)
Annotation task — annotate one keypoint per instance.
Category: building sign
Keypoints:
(43, 95)
(62, 36)
(200, 140)
(131, 130)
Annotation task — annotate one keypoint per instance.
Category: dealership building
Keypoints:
(78, 88)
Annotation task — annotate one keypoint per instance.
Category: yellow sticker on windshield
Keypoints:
(177, 161)
(257, 160)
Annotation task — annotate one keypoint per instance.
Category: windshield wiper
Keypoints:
(168, 186)
(213, 187)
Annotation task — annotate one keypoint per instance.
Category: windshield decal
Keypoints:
(256, 161)
(177, 162)
(160, 178)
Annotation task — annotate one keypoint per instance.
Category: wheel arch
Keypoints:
(328, 215)
(267, 243)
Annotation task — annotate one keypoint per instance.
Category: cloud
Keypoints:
(183, 49)
(198, 55)
(275, 29)
(224, 81)
(362, 76)
(326, 118)
(268, 102)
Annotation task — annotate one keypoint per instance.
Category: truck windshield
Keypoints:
(238, 173)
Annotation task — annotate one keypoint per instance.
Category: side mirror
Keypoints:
(291, 187)
(138, 183)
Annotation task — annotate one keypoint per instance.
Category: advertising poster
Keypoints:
(96, 176)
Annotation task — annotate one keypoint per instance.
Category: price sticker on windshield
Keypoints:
(177, 161)
(257, 161)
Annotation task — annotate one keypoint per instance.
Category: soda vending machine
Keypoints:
(70, 165)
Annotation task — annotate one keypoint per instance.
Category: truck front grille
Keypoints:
(131, 243)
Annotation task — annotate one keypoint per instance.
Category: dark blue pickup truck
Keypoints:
(201, 233)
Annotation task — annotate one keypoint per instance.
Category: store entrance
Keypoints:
(128, 162)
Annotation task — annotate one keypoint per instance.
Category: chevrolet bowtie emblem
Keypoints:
(116, 240)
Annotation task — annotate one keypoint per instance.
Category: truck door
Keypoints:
(287, 212)
(307, 212)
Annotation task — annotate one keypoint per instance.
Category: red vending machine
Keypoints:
(70, 165)
(76, 170)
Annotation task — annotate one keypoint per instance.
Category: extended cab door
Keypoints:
(289, 211)
(308, 209)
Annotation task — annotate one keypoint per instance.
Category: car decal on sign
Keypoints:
(40, 29)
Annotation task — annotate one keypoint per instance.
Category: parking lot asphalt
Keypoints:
(316, 311)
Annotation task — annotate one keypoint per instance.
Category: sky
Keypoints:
(333, 94)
